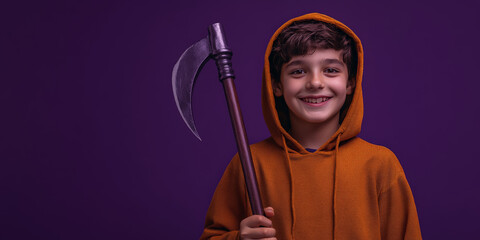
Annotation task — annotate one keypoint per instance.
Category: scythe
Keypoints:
(184, 75)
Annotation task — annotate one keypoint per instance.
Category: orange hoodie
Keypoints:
(347, 189)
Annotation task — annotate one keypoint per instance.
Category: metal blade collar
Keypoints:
(220, 51)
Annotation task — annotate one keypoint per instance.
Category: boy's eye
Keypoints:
(298, 72)
(331, 70)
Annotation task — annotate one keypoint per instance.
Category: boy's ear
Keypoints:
(277, 89)
(350, 85)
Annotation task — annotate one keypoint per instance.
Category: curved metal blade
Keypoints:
(184, 74)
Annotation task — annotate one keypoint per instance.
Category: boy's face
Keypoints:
(315, 86)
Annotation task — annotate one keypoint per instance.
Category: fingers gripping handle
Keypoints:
(220, 51)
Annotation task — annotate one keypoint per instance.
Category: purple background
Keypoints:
(92, 145)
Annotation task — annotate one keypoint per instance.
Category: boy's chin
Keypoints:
(311, 119)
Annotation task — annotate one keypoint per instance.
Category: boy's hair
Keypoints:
(304, 37)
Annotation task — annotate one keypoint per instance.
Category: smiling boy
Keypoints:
(318, 178)
(314, 87)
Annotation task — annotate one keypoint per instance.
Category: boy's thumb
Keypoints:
(269, 212)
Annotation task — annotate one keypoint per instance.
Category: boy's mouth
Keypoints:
(315, 100)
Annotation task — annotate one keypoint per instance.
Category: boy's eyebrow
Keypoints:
(323, 61)
(296, 62)
(333, 61)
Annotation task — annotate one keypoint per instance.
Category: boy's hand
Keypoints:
(258, 227)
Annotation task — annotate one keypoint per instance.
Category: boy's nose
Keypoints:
(316, 82)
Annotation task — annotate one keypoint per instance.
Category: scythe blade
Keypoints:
(184, 75)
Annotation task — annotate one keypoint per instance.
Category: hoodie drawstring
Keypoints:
(337, 144)
(291, 185)
(335, 184)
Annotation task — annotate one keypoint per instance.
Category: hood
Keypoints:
(351, 124)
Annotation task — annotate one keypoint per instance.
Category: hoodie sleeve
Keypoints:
(228, 206)
(398, 214)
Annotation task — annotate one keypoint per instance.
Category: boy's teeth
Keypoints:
(314, 100)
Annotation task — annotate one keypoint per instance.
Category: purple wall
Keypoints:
(92, 145)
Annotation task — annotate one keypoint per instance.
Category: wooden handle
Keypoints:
(243, 147)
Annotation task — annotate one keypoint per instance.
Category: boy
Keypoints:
(321, 180)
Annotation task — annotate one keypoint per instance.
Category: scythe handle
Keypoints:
(223, 55)
(243, 147)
